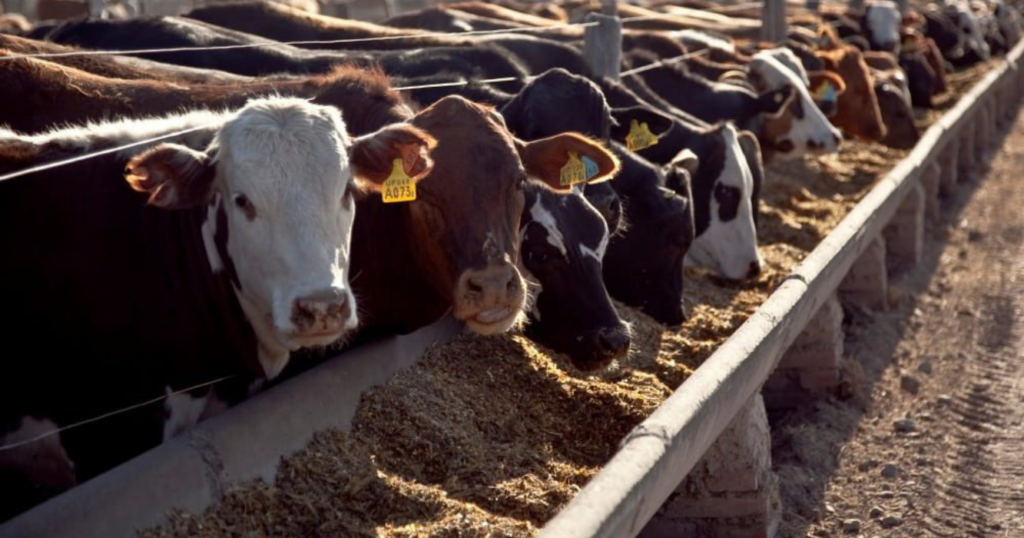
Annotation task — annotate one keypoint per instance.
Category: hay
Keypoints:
(493, 436)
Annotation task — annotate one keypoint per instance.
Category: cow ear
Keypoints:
(687, 160)
(657, 123)
(174, 176)
(546, 158)
(826, 82)
(373, 155)
(773, 103)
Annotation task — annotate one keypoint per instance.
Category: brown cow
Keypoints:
(857, 113)
(116, 66)
(454, 248)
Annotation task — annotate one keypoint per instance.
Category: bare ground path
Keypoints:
(929, 438)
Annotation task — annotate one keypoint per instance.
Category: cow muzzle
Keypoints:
(490, 300)
(603, 346)
(322, 316)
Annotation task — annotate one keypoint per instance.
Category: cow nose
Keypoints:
(325, 310)
(493, 285)
(814, 145)
(754, 269)
(837, 138)
(614, 342)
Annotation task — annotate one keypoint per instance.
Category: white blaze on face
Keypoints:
(883, 21)
(596, 253)
(812, 133)
(541, 215)
(729, 247)
(283, 178)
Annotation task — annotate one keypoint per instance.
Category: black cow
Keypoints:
(710, 101)
(643, 266)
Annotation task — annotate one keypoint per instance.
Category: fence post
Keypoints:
(773, 21)
(602, 45)
(96, 8)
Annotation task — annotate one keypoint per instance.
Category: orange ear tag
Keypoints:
(640, 136)
(573, 172)
(398, 187)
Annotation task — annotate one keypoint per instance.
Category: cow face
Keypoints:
(279, 192)
(894, 102)
(726, 238)
(882, 25)
(465, 222)
(563, 244)
(802, 128)
(857, 111)
(975, 47)
(644, 264)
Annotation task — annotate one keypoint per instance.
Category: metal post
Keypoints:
(96, 8)
(602, 45)
(609, 7)
(773, 21)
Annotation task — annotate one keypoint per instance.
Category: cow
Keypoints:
(727, 162)
(976, 49)
(709, 101)
(857, 112)
(643, 266)
(213, 254)
(563, 244)
(802, 128)
(282, 23)
(116, 66)
(881, 25)
(895, 103)
(558, 100)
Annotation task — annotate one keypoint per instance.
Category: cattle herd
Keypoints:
(191, 208)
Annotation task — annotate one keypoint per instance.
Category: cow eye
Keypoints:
(243, 203)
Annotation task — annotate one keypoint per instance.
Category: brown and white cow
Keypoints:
(140, 273)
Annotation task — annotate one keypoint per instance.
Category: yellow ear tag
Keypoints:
(826, 92)
(398, 187)
(640, 136)
(573, 172)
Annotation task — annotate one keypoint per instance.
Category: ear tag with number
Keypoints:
(574, 171)
(398, 187)
(640, 136)
(826, 92)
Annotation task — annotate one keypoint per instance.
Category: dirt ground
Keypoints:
(929, 440)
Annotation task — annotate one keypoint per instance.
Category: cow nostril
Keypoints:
(812, 144)
(838, 139)
(474, 286)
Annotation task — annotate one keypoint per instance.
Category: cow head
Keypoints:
(726, 237)
(559, 101)
(465, 221)
(802, 128)
(857, 111)
(644, 264)
(563, 244)
(882, 21)
(279, 189)
(894, 102)
(976, 49)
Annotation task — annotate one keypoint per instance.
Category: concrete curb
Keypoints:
(658, 454)
(193, 470)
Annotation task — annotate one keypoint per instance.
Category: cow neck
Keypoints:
(392, 294)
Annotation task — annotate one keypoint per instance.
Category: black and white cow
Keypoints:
(728, 162)
(137, 274)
